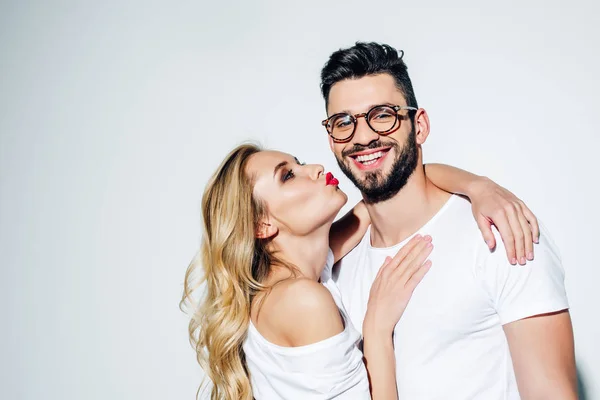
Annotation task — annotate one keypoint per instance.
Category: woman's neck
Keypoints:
(307, 253)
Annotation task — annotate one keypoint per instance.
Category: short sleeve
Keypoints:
(521, 291)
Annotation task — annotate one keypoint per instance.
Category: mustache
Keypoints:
(373, 145)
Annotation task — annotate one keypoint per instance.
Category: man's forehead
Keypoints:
(358, 95)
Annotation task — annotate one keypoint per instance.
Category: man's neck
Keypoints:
(396, 219)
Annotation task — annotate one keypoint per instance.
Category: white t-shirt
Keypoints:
(331, 368)
(449, 344)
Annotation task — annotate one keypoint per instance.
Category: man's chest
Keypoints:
(447, 305)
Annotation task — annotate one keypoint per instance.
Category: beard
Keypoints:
(375, 187)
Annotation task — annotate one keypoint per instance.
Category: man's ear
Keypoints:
(265, 230)
(421, 126)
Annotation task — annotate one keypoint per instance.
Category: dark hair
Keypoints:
(364, 59)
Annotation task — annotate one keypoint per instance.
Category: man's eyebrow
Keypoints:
(366, 108)
(278, 167)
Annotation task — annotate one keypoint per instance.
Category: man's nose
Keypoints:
(364, 135)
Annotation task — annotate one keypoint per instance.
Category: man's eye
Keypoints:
(382, 116)
(288, 175)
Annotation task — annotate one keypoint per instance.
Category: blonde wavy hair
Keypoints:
(232, 264)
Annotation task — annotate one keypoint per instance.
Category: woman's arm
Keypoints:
(346, 232)
(492, 204)
(389, 296)
(452, 179)
(380, 360)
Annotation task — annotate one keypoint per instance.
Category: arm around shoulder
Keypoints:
(348, 231)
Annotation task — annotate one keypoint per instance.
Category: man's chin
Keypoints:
(368, 181)
(369, 186)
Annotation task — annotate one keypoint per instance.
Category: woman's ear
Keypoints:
(265, 230)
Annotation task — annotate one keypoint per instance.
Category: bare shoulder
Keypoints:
(304, 311)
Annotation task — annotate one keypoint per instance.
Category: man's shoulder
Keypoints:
(455, 226)
(458, 213)
(454, 221)
(544, 252)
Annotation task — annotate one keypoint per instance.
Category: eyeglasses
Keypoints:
(381, 119)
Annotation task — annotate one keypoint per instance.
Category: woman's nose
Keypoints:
(314, 170)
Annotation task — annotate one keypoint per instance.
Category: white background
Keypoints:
(114, 114)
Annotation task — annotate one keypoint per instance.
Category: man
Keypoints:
(477, 326)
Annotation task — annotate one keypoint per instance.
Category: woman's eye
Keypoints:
(288, 175)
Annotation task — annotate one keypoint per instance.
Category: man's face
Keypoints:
(378, 165)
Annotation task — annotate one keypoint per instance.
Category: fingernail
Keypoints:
(513, 261)
(489, 243)
(429, 245)
(530, 256)
(523, 260)
(537, 240)
(418, 236)
(427, 237)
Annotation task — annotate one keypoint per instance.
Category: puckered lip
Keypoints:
(330, 179)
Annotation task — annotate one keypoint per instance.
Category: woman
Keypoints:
(271, 323)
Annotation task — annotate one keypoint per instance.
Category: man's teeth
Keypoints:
(369, 159)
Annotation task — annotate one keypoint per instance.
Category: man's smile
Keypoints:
(369, 159)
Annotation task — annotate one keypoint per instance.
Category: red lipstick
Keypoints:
(331, 180)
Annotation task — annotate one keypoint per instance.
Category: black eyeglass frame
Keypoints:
(365, 115)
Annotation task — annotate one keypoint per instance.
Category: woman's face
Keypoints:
(299, 198)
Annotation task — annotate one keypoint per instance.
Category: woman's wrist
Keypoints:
(375, 330)
(373, 346)
(377, 338)
(476, 185)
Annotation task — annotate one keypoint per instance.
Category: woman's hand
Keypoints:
(492, 204)
(394, 285)
(390, 293)
(518, 227)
